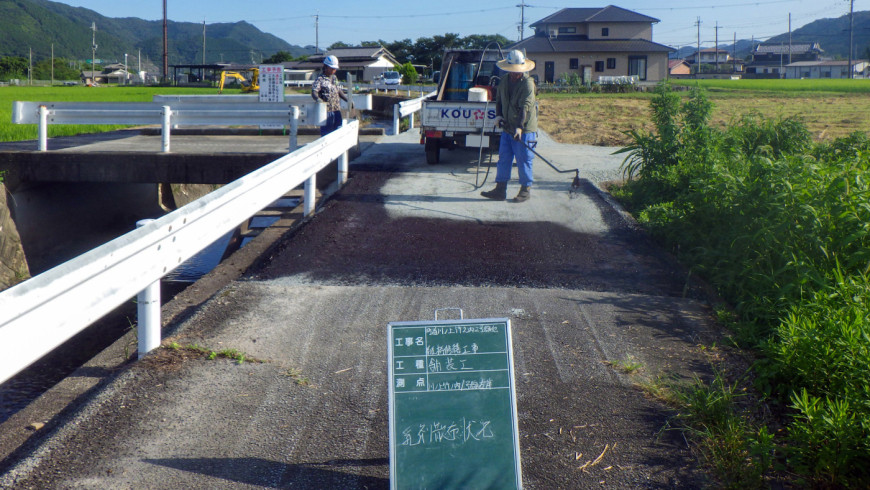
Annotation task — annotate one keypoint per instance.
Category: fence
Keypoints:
(407, 109)
(41, 313)
(169, 111)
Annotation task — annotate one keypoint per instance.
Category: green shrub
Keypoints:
(781, 227)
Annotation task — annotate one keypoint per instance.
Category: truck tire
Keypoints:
(433, 151)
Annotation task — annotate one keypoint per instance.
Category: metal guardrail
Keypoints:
(408, 108)
(41, 313)
(169, 111)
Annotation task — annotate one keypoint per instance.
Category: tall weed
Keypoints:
(782, 229)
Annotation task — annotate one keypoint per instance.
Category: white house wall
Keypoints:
(373, 70)
(657, 64)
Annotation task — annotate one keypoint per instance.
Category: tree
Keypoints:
(13, 67)
(409, 73)
(478, 41)
(338, 45)
(279, 57)
(403, 50)
(62, 70)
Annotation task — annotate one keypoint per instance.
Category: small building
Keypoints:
(679, 67)
(710, 56)
(363, 62)
(770, 60)
(110, 73)
(293, 75)
(596, 44)
(825, 69)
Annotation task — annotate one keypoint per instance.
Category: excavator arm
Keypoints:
(247, 85)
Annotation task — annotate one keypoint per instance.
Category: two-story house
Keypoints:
(595, 43)
(710, 56)
(770, 59)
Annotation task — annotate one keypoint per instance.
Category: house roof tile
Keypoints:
(606, 14)
(542, 44)
(784, 48)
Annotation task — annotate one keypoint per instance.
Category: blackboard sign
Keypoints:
(453, 416)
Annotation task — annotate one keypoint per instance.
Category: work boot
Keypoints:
(499, 193)
(524, 194)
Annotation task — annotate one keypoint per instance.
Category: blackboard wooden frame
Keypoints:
(452, 405)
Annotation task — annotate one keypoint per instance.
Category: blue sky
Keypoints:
(354, 21)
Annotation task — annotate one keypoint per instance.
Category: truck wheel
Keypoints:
(433, 151)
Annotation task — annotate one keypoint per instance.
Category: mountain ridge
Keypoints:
(37, 26)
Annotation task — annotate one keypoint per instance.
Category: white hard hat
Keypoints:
(516, 62)
(331, 61)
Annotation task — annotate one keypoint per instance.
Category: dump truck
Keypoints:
(461, 114)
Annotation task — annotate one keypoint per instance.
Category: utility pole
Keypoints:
(317, 34)
(789, 38)
(52, 64)
(851, 12)
(698, 52)
(203, 42)
(522, 27)
(165, 46)
(717, 45)
(94, 55)
(30, 68)
(734, 54)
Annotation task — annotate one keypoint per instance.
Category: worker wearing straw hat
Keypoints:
(517, 113)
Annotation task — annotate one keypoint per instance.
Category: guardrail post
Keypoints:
(148, 311)
(165, 129)
(43, 128)
(294, 127)
(310, 186)
(342, 164)
(396, 120)
(411, 121)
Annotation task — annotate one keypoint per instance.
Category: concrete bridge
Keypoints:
(586, 291)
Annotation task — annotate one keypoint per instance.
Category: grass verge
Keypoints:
(779, 225)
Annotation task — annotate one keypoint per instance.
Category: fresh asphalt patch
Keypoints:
(584, 289)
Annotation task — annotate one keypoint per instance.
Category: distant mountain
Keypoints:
(38, 25)
(831, 34)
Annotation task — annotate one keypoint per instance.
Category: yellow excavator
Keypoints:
(249, 83)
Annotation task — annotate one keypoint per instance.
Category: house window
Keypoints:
(574, 63)
(567, 30)
(637, 66)
(611, 63)
(605, 31)
(599, 66)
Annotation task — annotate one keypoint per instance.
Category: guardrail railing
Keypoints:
(408, 108)
(169, 111)
(41, 313)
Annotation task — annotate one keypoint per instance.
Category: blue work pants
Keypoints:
(333, 122)
(510, 149)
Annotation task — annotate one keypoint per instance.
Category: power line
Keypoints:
(412, 16)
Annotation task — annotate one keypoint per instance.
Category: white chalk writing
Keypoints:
(461, 385)
(451, 349)
(435, 433)
(461, 329)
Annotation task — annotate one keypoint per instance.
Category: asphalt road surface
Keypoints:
(585, 290)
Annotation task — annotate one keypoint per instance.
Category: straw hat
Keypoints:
(516, 62)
